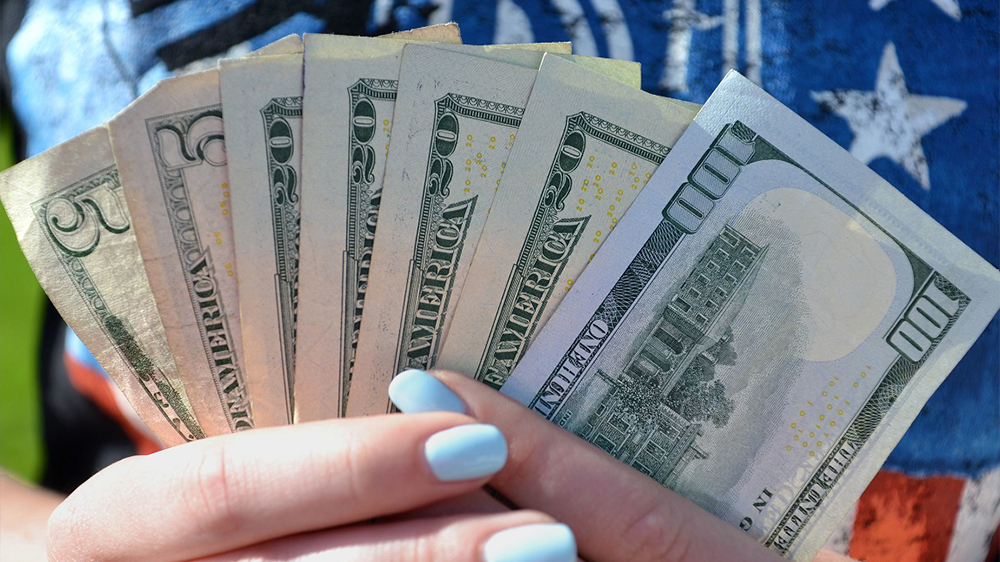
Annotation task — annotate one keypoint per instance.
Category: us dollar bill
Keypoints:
(586, 147)
(67, 208)
(262, 98)
(439, 33)
(170, 146)
(456, 118)
(349, 95)
(762, 326)
(361, 74)
(626, 72)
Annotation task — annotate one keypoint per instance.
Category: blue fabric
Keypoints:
(76, 63)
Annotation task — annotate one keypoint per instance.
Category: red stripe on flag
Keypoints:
(906, 519)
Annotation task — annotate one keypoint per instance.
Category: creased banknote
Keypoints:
(585, 148)
(67, 208)
(626, 72)
(456, 118)
(339, 218)
(350, 92)
(262, 100)
(440, 33)
(264, 97)
(762, 326)
(170, 146)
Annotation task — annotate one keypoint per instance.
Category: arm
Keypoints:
(24, 512)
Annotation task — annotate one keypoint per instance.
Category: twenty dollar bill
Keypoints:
(171, 154)
(586, 147)
(350, 93)
(456, 118)
(262, 98)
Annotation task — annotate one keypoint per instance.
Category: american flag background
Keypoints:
(910, 87)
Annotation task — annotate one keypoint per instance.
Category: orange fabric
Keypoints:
(906, 519)
(98, 389)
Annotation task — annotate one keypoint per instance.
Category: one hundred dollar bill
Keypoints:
(456, 118)
(350, 92)
(585, 149)
(762, 326)
(67, 208)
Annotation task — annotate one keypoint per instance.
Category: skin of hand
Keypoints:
(24, 511)
(288, 493)
(615, 512)
(365, 489)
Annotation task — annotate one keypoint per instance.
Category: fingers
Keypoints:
(616, 512)
(224, 493)
(479, 502)
(522, 536)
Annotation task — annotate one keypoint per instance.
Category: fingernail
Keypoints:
(414, 391)
(466, 452)
(544, 542)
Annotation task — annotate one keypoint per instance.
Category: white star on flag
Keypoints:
(949, 7)
(891, 121)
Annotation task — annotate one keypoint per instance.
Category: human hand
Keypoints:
(302, 493)
(615, 512)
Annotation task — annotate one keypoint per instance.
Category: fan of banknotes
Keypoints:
(717, 295)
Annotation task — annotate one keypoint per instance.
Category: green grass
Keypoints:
(22, 307)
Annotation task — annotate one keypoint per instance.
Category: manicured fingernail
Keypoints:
(466, 452)
(544, 542)
(416, 391)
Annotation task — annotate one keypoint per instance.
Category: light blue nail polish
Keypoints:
(416, 391)
(466, 452)
(544, 542)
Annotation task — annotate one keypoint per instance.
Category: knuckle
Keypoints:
(62, 532)
(70, 528)
(210, 488)
(355, 486)
(656, 534)
(433, 541)
(524, 461)
(425, 550)
(448, 543)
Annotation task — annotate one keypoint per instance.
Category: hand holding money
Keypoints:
(732, 306)
(267, 494)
